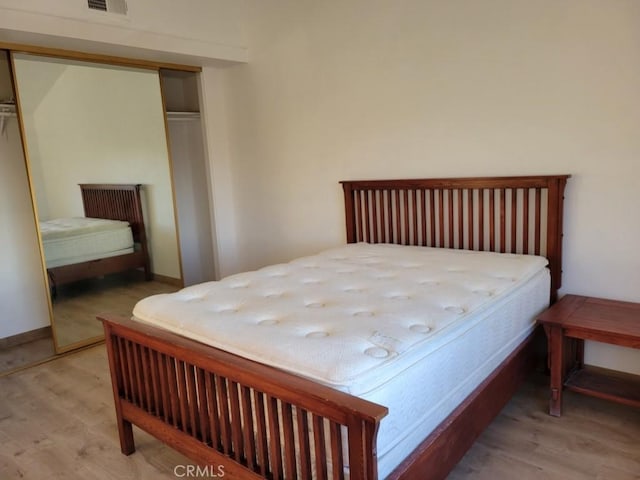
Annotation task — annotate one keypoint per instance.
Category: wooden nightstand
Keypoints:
(574, 319)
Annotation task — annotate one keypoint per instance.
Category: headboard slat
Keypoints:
(431, 212)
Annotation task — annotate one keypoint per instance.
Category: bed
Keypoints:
(259, 421)
(110, 238)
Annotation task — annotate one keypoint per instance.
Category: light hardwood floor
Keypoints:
(57, 422)
(75, 309)
(76, 305)
(30, 353)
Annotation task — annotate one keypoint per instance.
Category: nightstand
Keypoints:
(571, 321)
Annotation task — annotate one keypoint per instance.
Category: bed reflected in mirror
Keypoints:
(100, 177)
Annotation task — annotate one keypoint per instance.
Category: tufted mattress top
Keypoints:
(350, 317)
(74, 226)
(79, 239)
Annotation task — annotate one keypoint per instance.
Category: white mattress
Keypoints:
(413, 328)
(78, 239)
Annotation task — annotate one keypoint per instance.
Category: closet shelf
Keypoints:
(7, 110)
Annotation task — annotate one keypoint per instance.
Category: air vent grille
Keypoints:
(111, 6)
(98, 5)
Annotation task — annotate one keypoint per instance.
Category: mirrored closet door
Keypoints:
(96, 144)
(25, 332)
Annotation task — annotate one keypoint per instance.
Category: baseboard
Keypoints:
(176, 282)
(26, 337)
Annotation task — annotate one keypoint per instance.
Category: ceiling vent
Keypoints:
(111, 6)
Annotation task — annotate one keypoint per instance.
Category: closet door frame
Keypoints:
(13, 48)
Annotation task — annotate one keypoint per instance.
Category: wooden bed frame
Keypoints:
(222, 410)
(113, 202)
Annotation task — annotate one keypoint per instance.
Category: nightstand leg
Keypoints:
(556, 360)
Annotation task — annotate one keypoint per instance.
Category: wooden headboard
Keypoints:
(500, 214)
(116, 202)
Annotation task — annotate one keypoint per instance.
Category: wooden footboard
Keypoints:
(218, 409)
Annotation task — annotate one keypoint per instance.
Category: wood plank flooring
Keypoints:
(57, 422)
(75, 309)
(30, 353)
(76, 305)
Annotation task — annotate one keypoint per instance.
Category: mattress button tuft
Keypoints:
(399, 296)
(377, 352)
(268, 321)
(485, 293)
(228, 310)
(363, 313)
(317, 334)
(352, 290)
(314, 305)
(454, 309)
(420, 328)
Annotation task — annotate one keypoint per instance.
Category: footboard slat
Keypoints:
(289, 446)
(182, 396)
(123, 379)
(275, 451)
(147, 380)
(155, 384)
(261, 435)
(164, 387)
(247, 420)
(214, 415)
(220, 409)
(128, 374)
(225, 422)
(319, 447)
(192, 400)
(203, 413)
(337, 465)
(236, 425)
(137, 367)
(173, 390)
(303, 442)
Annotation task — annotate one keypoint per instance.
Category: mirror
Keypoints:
(101, 126)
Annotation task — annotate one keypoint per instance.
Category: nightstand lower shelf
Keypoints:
(607, 384)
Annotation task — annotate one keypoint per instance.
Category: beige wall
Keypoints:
(201, 30)
(370, 89)
(23, 294)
